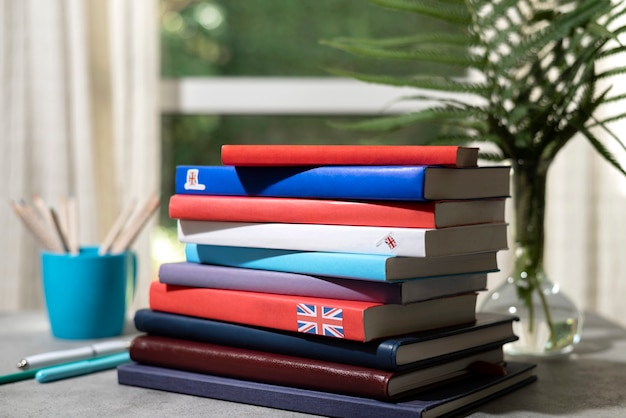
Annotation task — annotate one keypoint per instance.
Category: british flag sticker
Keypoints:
(192, 182)
(320, 320)
(389, 241)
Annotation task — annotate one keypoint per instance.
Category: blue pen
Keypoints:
(78, 368)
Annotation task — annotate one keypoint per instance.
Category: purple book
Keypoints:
(455, 396)
(268, 281)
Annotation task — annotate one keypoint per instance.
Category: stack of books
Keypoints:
(333, 280)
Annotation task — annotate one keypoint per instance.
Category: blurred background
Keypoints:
(101, 99)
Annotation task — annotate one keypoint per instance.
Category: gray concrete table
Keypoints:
(591, 383)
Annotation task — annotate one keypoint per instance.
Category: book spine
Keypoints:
(259, 366)
(342, 319)
(306, 211)
(264, 281)
(401, 183)
(350, 266)
(290, 155)
(373, 355)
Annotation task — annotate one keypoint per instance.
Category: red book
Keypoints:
(334, 318)
(300, 155)
(435, 214)
(301, 372)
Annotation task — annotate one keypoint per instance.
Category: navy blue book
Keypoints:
(393, 354)
(453, 397)
(412, 183)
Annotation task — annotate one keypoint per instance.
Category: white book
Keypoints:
(405, 242)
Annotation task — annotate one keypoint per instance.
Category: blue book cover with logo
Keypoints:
(408, 183)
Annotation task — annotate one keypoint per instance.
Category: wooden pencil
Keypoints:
(117, 227)
(43, 209)
(37, 227)
(59, 230)
(135, 225)
(72, 225)
(45, 213)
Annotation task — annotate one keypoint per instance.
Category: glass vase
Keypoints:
(550, 323)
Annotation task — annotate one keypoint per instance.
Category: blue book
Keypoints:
(453, 397)
(412, 183)
(345, 265)
(393, 354)
(269, 281)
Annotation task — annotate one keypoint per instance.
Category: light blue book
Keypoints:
(345, 265)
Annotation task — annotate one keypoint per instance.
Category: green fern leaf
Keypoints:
(612, 72)
(611, 51)
(606, 129)
(491, 156)
(434, 83)
(449, 11)
(538, 68)
(432, 115)
(459, 57)
(437, 39)
(610, 119)
(531, 45)
(614, 99)
(601, 149)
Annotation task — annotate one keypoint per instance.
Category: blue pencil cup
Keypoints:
(87, 294)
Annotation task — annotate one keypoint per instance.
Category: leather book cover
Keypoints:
(260, 366)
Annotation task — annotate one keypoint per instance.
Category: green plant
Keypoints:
(536, 77)
(535, 65)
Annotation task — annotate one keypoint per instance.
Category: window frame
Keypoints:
(283, 96)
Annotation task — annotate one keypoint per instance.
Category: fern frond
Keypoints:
(456, 57)
(452, 140)
(610, 119)
(491, 156)
(444, 101)
(538, 67)
(560, 135)
(612, 72)
(563, 24)
(430, 115)
(500, 25)
(466, 138)
(613, 99)
(442, 38)
(449, 11)
(616, 13)
(612, 51)
(488, 13)
(610, 133)
(601, 149)
(597, 29)
(435, 83)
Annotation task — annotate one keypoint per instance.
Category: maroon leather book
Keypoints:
(298, 371)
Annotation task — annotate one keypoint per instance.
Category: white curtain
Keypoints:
(586, 236)
(79, 116)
